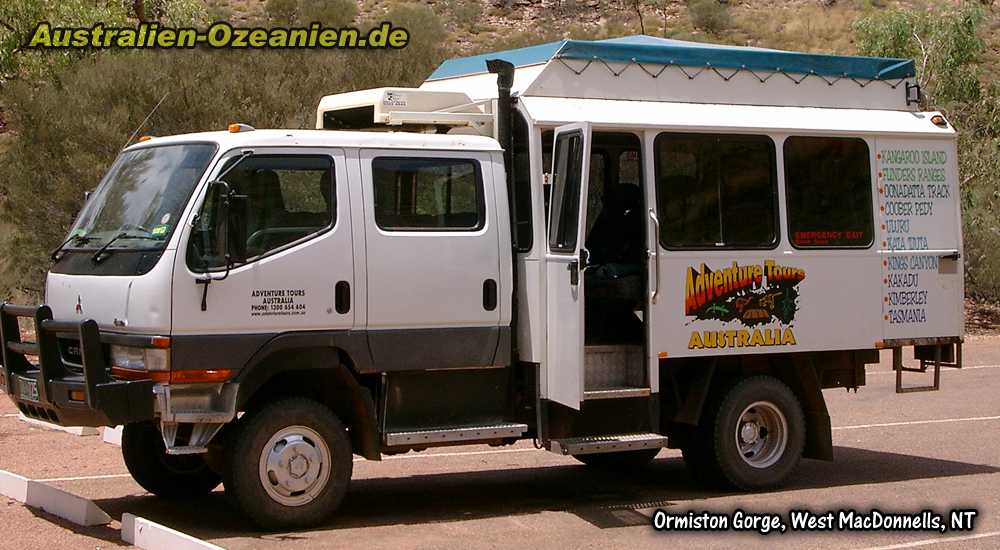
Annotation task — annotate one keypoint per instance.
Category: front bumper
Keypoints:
(45, 389)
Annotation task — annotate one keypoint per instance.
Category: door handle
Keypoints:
(342, 297)
(574, 272)
(654, 256)
(489, 294)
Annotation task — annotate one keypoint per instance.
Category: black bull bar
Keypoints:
(54, 391)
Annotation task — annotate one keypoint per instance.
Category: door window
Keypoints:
(566, 176)
(425, 194)
(289, 199)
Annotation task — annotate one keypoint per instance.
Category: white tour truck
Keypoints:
(608, 247)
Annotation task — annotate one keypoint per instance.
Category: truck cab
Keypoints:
(549, 243)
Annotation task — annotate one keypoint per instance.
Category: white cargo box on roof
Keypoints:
(397, 107)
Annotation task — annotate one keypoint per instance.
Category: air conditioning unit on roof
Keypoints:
(369, 109)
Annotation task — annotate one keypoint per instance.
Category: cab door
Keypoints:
(433, 258)
(564, 265)
(299, 272)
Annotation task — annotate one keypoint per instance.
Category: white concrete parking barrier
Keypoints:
(150, 535)
(13, 486)
(73, 430)
(113, 435)
(57, 502)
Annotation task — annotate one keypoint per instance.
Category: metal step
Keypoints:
(467, 433)
(615, 393)
(607, 443)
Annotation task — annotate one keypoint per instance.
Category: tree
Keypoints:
(947, 46)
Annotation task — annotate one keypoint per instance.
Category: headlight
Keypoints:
(148, 359)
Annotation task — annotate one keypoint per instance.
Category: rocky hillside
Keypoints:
(477, 25)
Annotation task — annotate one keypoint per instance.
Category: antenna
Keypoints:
(145, 120)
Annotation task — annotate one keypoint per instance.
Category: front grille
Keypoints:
(69, 350)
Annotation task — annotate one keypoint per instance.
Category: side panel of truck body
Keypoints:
(819, 298)
(922, 269)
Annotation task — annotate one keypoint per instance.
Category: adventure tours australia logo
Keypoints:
(761, 297)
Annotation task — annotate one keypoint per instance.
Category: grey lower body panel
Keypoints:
(439, 348)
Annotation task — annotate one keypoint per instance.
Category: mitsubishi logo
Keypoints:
(79, 305)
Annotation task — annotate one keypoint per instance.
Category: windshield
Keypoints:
(142, 197)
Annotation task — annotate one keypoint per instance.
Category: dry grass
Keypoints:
(981, 317)
(809, 27)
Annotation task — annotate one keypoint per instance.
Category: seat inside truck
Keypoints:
(615, 239)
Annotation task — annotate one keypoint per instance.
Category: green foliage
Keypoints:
(427, 39)
(18, 19)
(944, 45)
(947, 46)
(67, 136)
(979, 151)
(709, 15)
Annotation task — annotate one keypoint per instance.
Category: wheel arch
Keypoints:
(314, 368)
(695, 383)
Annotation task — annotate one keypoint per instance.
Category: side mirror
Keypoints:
(236, 228)
(230, 222)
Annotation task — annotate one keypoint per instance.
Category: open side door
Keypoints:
(564, 266)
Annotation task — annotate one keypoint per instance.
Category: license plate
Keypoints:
(27, 389)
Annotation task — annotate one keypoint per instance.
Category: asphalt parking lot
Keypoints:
(904, 453)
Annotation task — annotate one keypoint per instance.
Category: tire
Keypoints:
(757, 435)
(622, 460)
(291, 489)
(167, 476)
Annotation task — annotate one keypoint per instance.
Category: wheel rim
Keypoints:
(295, 466)
(761, 434)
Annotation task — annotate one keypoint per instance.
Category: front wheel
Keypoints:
(168, 476)
(290, 464)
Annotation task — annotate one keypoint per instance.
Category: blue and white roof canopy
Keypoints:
(658, 69)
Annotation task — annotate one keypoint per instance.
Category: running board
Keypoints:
(607, 443)
(615, 393)
(471, 433)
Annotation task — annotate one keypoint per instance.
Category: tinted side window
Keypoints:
(522, 183)
(423, 194)
(829, 192)
(716, 191)
(289, 198)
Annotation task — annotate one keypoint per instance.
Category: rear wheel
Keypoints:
(622, 460)
(753, 439)
(168, 476)
(290, 464)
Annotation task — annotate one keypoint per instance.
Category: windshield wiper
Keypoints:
(99, 255)
(72, 239)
